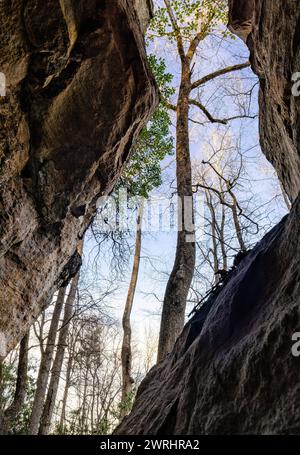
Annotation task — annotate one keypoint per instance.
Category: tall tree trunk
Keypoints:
(222, 238)
(174, 305)
(237, 224)
(83, 417)
(93, 402)
(66, 392)
(45, 365)
(127, 380)
(11, 414)
(58, 361)
(213, 228)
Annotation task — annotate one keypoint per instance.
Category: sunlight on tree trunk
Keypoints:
(45, 422)
(178, 286)
(214, 239)
(45, 365)
(188, 24)
(66, 391)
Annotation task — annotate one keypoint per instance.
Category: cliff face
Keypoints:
(275, 56)
(232, 369)
(78, 91)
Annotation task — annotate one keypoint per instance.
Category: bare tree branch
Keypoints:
(221, 72)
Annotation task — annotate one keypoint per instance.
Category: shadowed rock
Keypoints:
(232, 370)
(78, 92)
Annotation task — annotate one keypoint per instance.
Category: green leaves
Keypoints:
(143, 172)
(190, 16)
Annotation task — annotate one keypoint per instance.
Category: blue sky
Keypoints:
(158, 249)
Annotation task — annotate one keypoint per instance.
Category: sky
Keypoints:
(158, 249)
(260, 188)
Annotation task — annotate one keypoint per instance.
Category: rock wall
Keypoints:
(78, 91)
(232, 369)
(271, 30)
(144, 10)
(275, 57)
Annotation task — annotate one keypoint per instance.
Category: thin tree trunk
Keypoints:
(237, 225)
(66, 392)
(93, 403)
(45, 365)
(174, 305)
(213, 227)
(127, 380)
(11, 414)
(58, 361)
(222, 238)
(83, 418)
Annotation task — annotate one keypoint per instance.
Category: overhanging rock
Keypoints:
(78, 92)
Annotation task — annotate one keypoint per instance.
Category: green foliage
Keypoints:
(61, 429)
(74, 427)
(143, 171)
(104, 427)
(192, 17)
(8, 384)
(126, 405)
(7, 387)
(22, 424)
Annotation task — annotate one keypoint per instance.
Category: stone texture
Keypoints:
(144, 9)
(232, 370)
(78, 92)
(275, 57)
(241, 14)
